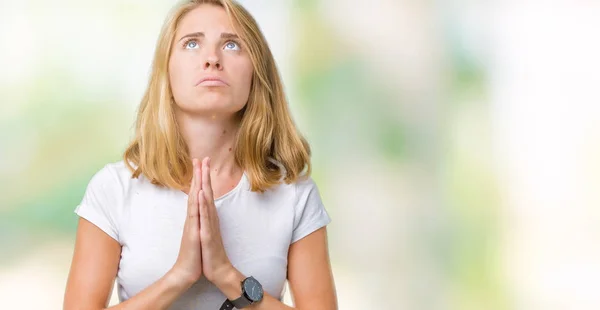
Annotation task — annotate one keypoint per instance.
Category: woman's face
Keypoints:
(209, 70)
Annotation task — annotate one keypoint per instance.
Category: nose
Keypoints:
(212, 61)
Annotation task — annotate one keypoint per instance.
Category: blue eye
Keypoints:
(232, 45)
(191, 44)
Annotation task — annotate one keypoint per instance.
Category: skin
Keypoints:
(207, 119)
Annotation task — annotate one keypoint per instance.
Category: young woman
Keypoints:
(212, 206)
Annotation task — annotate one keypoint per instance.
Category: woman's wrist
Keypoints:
(229, 282)
(178, 280)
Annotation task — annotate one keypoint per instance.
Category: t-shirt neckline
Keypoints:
(237, 188)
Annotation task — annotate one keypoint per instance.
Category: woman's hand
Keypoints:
(215, 263)
(188, 266)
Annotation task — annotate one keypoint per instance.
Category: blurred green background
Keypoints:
(456, 143)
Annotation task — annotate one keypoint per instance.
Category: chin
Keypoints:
(212, 107)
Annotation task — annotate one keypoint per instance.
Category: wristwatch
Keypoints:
(252, 292)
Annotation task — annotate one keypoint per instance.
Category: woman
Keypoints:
(212, 206)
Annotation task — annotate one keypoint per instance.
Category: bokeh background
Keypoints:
(456, 143)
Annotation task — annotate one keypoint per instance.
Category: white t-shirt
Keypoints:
(147, 220)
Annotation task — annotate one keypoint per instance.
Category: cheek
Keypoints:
(245, 78)
(173, 77)
(177, 75)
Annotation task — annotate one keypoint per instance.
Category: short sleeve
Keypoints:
(310, 213)
(101, 201)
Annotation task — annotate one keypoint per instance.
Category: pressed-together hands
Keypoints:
(201, 248)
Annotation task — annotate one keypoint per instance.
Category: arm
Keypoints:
(97, 254)
(94, 268)
(309, 275)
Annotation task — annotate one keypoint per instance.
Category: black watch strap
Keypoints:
(239, 303)
(227, 305)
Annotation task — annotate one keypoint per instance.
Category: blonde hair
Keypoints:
(267, 131)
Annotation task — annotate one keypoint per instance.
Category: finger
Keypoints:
(206, 182)
(194, 175)
(203, 209)
(193, 192)
(199, 176)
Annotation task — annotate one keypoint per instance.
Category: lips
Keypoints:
(211, 81)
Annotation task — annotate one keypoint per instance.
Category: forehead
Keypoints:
(207, 18)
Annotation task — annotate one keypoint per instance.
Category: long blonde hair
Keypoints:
(267, 131)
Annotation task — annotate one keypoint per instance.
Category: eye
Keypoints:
(234, 46)
(190, 44)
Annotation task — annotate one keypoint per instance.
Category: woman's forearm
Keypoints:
(158, 296)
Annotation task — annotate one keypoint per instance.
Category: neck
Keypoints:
(211, 136)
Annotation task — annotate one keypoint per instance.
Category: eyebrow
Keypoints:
(224, 35)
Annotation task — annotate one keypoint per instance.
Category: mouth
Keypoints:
(211, 81)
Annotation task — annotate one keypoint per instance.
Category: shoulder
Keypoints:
(306, 192)
(298, 194)
(118, 169)
(302, 186)
(103, 198)
(297, 188)
(115, 177)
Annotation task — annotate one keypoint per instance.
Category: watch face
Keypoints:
(253, 289)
